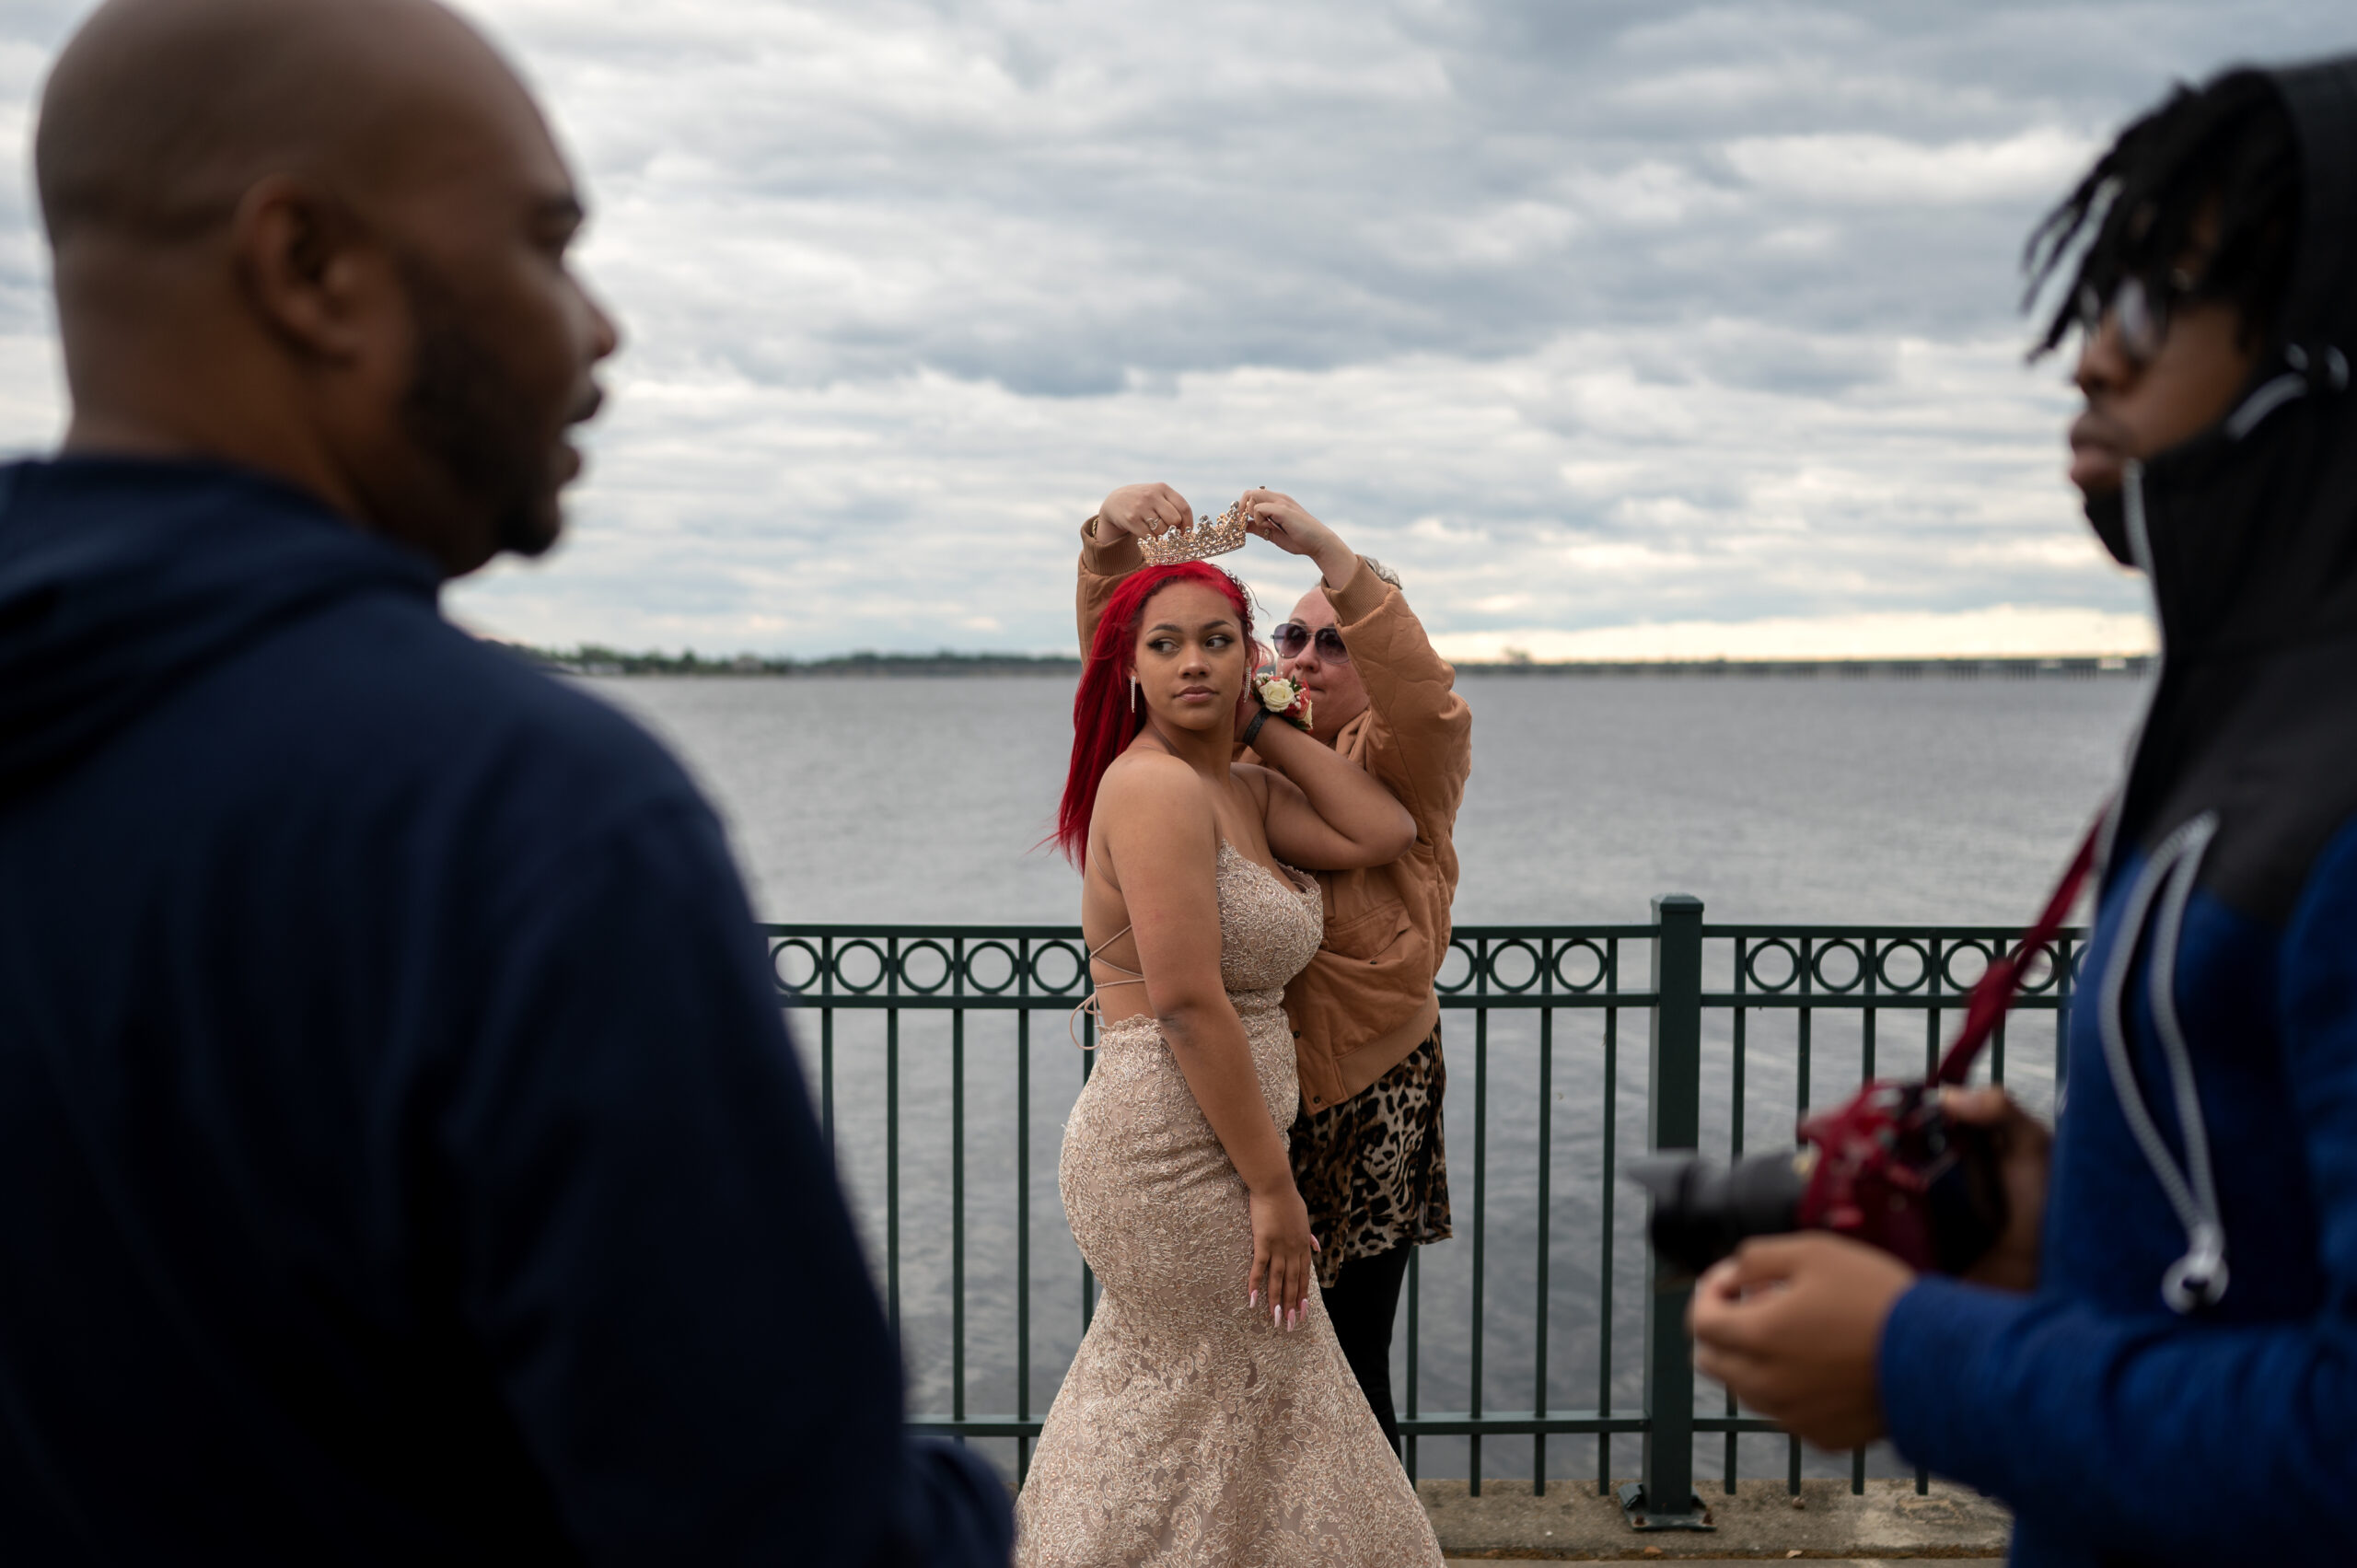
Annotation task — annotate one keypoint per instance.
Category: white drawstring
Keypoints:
(2200, 1277)
(2304, 376)
(2270, 396)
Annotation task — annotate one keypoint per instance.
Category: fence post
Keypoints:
(1665, 1498)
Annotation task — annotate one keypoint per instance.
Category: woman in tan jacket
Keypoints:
(1367, 1152)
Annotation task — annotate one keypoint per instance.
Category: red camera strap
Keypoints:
(1986, 1008)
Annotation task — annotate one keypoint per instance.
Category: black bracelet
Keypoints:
(1253, 728)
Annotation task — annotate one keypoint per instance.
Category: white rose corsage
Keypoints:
(1286, 700)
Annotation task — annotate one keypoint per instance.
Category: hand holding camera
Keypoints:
(1930, 1172)
(1791, 1323)
(1903, 1179)
(1792, 1326)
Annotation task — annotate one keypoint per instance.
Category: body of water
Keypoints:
(1767, 798)
(1771, 799)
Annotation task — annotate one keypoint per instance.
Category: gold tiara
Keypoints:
(1209, 537)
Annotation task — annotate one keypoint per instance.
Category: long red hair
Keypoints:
(1104, 719)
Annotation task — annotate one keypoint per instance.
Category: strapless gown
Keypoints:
(1190, 1429)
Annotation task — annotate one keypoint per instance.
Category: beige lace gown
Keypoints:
(1190, 1429)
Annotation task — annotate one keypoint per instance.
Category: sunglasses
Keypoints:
(2142, 319)
(1293, 638)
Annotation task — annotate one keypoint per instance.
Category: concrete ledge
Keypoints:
(1761, 1521)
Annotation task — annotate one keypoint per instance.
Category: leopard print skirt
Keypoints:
(1372, 1169)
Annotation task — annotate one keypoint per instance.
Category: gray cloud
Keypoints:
(1584, 315)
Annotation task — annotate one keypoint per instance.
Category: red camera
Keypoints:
(1888, 1168)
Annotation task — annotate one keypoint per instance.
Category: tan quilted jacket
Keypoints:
(1367, 1000)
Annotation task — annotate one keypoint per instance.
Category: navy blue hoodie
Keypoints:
(2183, 1385)
(401, 1156)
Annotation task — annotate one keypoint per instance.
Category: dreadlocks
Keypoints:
(2227, 148)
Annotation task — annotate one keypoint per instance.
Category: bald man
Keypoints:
(401, 1157)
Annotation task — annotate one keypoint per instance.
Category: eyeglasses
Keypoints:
(1293, 638)
(2143, 322)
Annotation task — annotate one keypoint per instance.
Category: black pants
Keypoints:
(1362, 1303)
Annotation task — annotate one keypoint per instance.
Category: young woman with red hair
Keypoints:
(1209, 1415)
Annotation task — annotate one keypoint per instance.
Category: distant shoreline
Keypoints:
(2088, 666)
(596, 661)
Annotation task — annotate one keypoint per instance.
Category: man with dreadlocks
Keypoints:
(2159, 1362)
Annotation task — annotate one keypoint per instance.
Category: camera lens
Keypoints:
(1702, 1211)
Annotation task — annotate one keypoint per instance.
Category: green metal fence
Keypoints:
(1746, 1025)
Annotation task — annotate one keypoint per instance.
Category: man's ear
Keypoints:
(314, 273)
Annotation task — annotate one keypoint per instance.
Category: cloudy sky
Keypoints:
(1622, 330)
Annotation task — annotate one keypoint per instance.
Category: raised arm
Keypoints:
(1323, 812)
(1161, 850)
(1423, 748)
(1108, 545)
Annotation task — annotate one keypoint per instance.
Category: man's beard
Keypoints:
(466, 413)
(2107, 515)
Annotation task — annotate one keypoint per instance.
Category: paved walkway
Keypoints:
(1761, 1522)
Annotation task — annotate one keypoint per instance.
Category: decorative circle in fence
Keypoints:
(1918, 960)
(925, 945)
(1967, 947)
(1856, 964)
(1457, 949)
(974, 967)
(1075, 967)
(2044, 968)
(809, 965)
(1498, 954)
(1592, 953)
(843, 968)
(1757, 981)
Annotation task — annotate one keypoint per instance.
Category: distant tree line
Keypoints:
(596, 658)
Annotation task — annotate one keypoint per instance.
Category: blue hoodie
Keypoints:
(2182, 1388)
(401, 1156)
